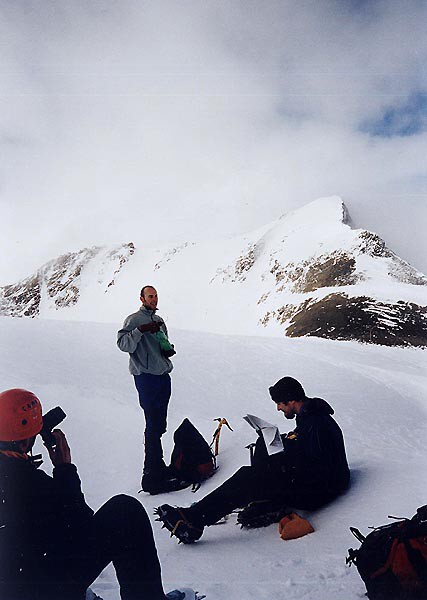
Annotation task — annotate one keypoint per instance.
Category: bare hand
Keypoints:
(152, 327)
(60, 454)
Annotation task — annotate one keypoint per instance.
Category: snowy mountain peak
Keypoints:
(308, 273)
(318, 213)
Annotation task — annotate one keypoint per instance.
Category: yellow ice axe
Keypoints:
(215, 438)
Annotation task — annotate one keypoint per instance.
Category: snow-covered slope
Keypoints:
(309, 273)
(378, 394)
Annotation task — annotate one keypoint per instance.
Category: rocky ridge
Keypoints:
(57, 283)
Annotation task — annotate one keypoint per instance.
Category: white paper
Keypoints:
(270, 433)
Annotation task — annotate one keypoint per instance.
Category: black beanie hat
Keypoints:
(287, 389)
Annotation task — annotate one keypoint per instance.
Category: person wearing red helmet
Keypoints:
(52, 544)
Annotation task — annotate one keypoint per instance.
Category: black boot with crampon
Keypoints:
(176, 521)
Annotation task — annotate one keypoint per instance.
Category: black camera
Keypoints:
(50, 420)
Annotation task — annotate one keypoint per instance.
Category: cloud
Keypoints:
(162, 121)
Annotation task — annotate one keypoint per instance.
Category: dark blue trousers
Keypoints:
(154, 393)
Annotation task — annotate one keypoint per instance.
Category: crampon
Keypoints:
(175, 521)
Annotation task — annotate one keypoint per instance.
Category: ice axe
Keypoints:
(215, 438)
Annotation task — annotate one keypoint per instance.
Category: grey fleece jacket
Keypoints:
(144, 348)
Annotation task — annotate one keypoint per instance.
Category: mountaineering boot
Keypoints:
(184, 594)
(176, 521)
(154, 484)
(261, 513)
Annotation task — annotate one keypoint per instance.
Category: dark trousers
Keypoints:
(154, 393)
(119, 532)
(245, 486)
(266, 479)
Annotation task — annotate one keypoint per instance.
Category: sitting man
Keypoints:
(310, 472)
(52, 545)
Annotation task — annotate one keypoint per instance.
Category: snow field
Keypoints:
(379, 399)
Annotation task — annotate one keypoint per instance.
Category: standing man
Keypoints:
(144, 337)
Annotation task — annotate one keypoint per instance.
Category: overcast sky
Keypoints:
(157, 121)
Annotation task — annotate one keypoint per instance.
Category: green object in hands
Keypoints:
(166, 347)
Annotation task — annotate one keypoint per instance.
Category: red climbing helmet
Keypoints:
(20, 415)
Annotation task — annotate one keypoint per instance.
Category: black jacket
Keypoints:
(314, 454)
(42, 524)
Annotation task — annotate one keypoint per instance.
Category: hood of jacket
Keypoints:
(316, 406)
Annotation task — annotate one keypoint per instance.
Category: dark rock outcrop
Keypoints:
(340, 317)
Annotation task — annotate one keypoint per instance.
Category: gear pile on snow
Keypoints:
(192, 459)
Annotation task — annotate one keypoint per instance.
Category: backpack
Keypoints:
(191, 459)
(392, 560)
